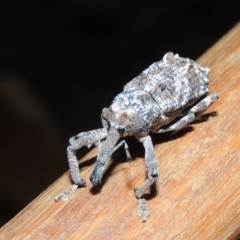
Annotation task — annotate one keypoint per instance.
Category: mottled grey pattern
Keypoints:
(167, 96)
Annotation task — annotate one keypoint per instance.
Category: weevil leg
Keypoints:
(126, 148)
(193, 114)
(152, 174)
(151, 165)
(143, 209)
(204, 104)
(66, 194)
(82, 139)
(129, 158)
(180, 124)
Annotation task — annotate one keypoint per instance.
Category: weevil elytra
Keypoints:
(167, 96)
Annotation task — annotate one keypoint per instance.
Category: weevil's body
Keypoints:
(160, 94)
(169, 91)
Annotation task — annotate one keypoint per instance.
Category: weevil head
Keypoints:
(119, 122)
(131, 113)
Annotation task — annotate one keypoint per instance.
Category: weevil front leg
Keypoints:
(82, 139)
(152, 174)
(151, 166)
(193, 114)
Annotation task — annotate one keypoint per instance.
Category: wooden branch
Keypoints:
(197, 195)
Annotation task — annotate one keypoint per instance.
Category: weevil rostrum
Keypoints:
(167, 96)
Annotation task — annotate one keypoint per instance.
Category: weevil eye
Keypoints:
(121, 130)
(109, 124)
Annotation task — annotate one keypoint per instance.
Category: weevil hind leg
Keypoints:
(194, 113)
(180, 124)
(205, 116)
(203, 105)
(82, 139)
(152, 174)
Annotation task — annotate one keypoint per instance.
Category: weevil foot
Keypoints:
(67, 194)
(143, 209)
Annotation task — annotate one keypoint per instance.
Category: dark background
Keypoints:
(61, 62)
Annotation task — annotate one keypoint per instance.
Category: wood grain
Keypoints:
(197, 195)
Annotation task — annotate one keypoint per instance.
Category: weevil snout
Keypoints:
(95, 178)
(106, 148)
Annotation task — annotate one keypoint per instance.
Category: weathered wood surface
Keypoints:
(197, 195)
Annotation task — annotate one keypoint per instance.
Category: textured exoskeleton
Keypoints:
(167, 96)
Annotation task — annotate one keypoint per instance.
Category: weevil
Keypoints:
(167, 96)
